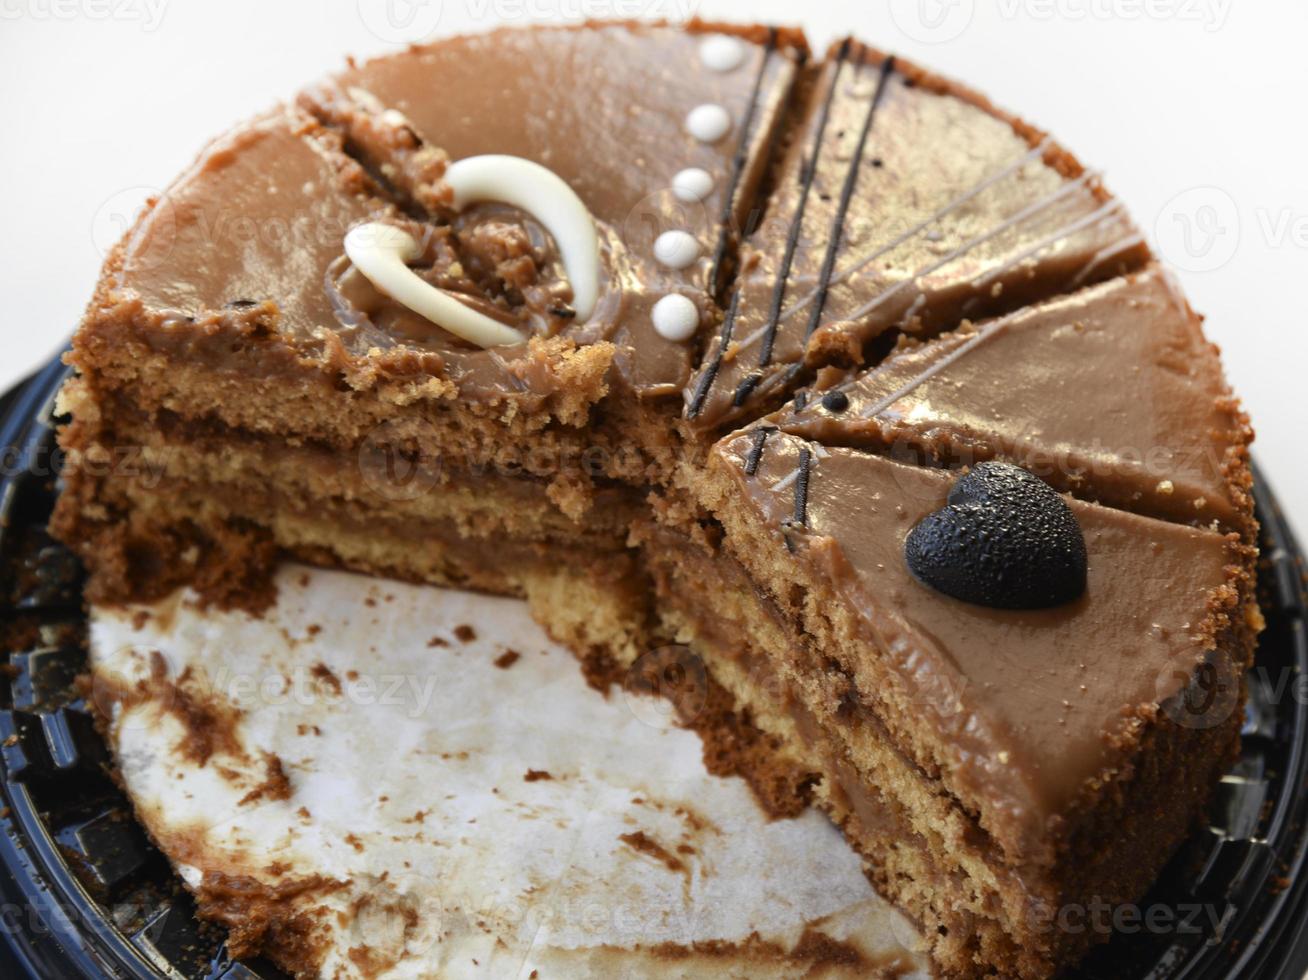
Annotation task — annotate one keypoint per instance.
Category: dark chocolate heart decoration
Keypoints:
(1006, 540)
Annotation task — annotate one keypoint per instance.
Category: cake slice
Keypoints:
(997, 766)
(903, 202)
(1111, 392)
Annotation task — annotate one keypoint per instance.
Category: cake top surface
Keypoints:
(900, 202)
(257, 218)
(660, 132)
(1028, 702)
(756, 214)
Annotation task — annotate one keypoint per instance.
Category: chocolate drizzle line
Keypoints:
(846, 195)
(755, 456)
(1086, 180)
(801, 486)
(711, 372)
(739, 161)
(1013, 220)
(745, 389)
(986, 182)
(830, 276)
(807, 173)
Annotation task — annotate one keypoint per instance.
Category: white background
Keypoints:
(1193, 108)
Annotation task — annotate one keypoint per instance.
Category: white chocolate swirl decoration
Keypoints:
(381, 251)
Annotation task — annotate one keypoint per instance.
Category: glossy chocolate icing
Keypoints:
(1111, 392)
(258, 217)
(900, 202)
(603, 107)
(1025, 702)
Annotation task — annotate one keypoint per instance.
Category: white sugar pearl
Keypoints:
(721, 53)
(675, 318)
(708, 123)
(692, 184)
(676, 249)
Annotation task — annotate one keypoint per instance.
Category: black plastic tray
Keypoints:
(86, 895)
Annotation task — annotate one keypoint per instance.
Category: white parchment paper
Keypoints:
(478, 810)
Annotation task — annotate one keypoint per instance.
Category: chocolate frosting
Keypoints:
(1026, 702)
(901, 202)
(1111, 392)
(259, 216)
(604, 107)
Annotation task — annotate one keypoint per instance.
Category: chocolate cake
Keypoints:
(864, 390)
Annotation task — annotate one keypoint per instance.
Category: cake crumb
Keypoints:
(641, 843)
(536, 775)
(437, 641)
(324, 673)
(465, 633)
(275, 785)
(507, 659)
